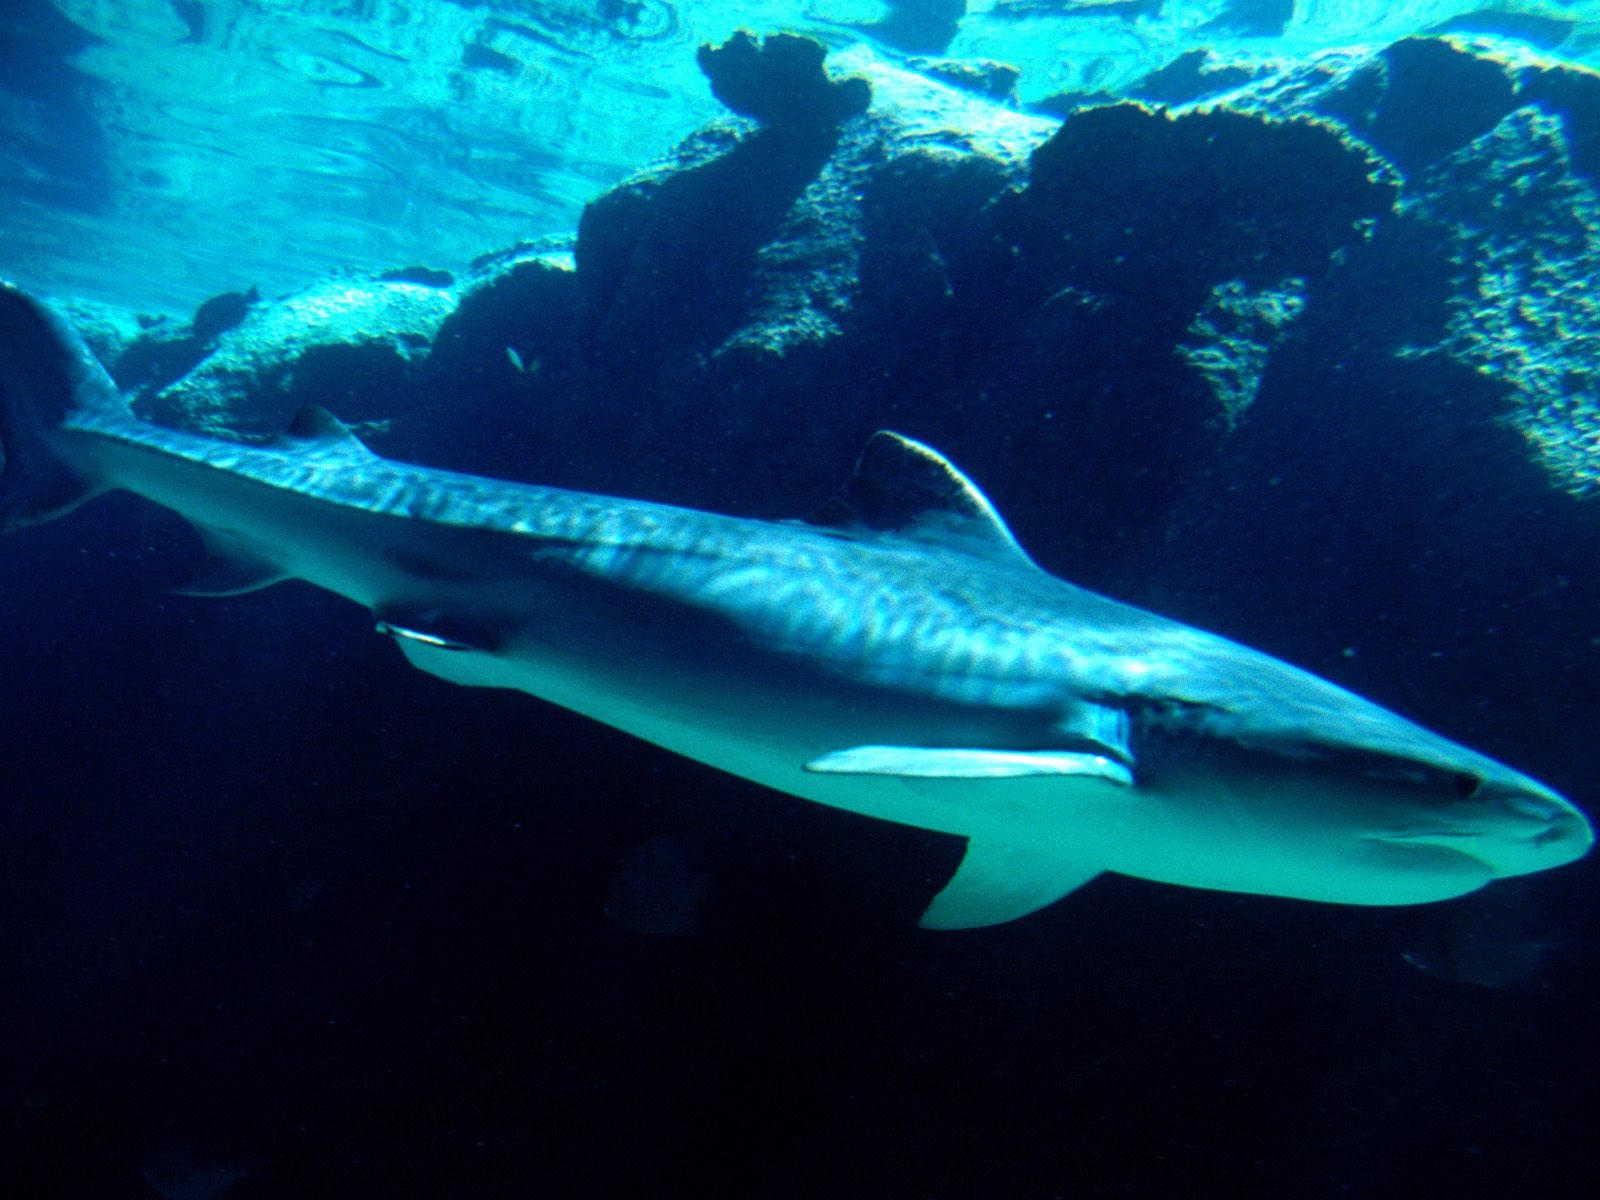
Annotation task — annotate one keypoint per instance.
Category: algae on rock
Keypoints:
(1523, 230)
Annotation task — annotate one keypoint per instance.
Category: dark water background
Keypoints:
(275, 903)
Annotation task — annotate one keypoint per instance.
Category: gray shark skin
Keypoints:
(899, 657)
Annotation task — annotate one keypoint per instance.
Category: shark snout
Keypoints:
(1512, 824)
(1566, 835)
(1531, 829)
(1566, 832)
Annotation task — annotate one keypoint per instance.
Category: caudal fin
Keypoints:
(48, 379)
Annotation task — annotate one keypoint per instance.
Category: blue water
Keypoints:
(281, 916)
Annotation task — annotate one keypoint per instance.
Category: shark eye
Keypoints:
(1466, 784)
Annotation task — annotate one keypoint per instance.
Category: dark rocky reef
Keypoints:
(1311, 363)
(780, 81)
(985, 77)
(354, 343)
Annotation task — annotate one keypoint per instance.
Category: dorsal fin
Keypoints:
(905, 488)
(317, 426)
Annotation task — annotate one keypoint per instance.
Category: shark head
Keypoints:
(1327, 796)
(1457, 801)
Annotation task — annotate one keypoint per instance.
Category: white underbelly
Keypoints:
(774, 756)
(1267, 847)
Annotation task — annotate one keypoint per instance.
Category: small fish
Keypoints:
(530, 367)
(222, 313)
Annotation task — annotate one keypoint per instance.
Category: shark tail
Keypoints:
(48, 377)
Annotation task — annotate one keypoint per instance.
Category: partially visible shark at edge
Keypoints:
(898, 656)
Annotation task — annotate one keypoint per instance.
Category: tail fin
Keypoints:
(47, 376)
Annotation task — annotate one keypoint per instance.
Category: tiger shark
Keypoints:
(899, 655)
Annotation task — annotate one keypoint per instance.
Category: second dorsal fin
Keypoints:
(905, 488)
(315, 426)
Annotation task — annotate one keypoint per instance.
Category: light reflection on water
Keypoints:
(155, 152)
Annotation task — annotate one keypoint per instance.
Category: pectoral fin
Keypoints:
(938, 762)
(996, 883)
(232, 569)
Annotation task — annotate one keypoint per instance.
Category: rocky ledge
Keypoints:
(1329, 329)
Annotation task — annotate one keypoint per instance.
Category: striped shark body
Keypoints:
(898, 656)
